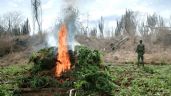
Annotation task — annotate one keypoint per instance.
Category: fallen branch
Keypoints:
(119, 43)
(26, 90)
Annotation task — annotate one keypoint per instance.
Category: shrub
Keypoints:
(90, 74)
(38, 82)
(89, 61)
(45, 59)
(100, 81)
(88, 57)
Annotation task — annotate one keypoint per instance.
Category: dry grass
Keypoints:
(157, 55)
(14, 58)
(9, 44)
(6, 44)
(13, 50)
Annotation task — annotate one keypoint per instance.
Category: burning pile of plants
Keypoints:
(86, 76)
(66, 71)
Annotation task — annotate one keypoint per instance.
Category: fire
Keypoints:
(63, 56)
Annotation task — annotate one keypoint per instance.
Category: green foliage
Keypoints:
(11, 74)
(4, 91)
(36, 68)
(152, 80)
(44, 59)
(100, 81)
(89, 73)
(38, 82)
(88, 57)
(66, 84)
(148, 70)
(15, 70)
(150, 86)
(89, 61)
(79, 84)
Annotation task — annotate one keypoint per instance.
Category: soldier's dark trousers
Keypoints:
(141, 59)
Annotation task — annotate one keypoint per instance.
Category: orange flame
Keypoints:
(63, 56)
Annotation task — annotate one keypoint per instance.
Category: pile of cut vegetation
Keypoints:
(86, 77)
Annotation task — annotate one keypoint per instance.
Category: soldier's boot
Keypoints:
(142, 60)
(143, 63)
(138, 63)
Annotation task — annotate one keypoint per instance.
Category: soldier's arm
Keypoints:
(144, 48)
(136, 49)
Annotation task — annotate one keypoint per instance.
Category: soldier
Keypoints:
(140, 51)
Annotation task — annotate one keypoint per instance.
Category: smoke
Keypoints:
(68, 16)
(69, 3)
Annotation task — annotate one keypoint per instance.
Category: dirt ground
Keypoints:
(131, 57)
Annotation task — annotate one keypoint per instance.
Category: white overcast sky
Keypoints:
(111, 10)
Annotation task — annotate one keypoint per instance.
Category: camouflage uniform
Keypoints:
(140, 51)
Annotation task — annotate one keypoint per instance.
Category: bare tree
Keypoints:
(2, 30)
(127, 24)
(12, 22)
(170, 21)
(26, 27)
(101, 26)
(37, 14)
(82, 29)
(93, 32)
(156, 25)
(118, 29)
(152, 21)
(161, 22)
(144, 31)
